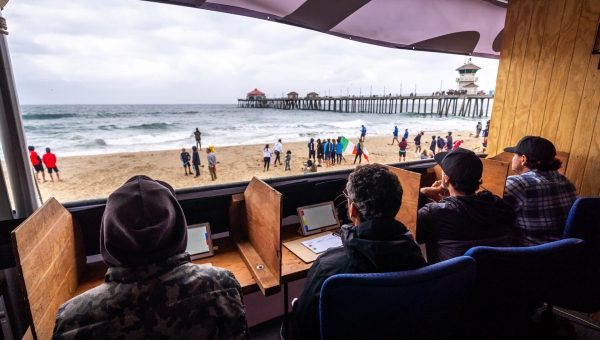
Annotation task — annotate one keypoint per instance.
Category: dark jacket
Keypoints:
(371, 247)
(195, 157)
(441, 143)
(432, 146)
(449, 143)
(458, 223)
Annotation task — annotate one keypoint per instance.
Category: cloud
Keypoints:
(135, 52)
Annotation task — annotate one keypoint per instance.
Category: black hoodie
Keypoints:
(458, 223)
(380, 245)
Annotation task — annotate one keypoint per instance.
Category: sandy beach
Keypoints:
(97, 176)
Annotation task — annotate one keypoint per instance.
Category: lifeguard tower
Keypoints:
(466, 80)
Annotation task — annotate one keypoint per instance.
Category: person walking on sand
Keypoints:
(49, 160)
(418, 143)
(311, 149)
(288, 160)
(358, 152)
(278, 149)
(363, 133)
(198, 137)
(212, 162)
(478, 128)
(36, 161)
(267, 154)
(449, 143)
(186, 158)
(440, 144)
(395, 135)
(433, 144)
(406, 134)
(196, 160)
(403, 145)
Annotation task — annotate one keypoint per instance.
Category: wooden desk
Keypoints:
(293, 268)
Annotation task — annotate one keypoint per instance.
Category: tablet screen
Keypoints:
(197, 241)
(318, 217)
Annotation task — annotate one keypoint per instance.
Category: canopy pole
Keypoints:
(13, 141)
(5, 207)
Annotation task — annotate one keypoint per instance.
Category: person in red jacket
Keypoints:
(36, 161)
(49, 160)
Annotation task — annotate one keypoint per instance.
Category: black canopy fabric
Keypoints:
(469, 27)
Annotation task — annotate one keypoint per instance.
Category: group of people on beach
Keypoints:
(194, 159)
(48, 159)
(277, 150)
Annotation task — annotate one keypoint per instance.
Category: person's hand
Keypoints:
(435, 193)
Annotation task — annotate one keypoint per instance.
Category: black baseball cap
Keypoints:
(460, 165)
(535, 147)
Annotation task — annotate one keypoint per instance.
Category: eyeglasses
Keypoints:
(345, 194)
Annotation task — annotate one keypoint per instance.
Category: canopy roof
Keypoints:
(469, 27)
(469, 67)
(292, 94)
(256, 92)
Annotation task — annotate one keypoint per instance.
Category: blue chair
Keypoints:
(415, 304)
(580, 293)
(511, 283)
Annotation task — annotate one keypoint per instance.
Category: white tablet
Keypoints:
(199, 241)
(317, 218)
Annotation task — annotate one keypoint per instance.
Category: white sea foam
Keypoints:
(97, 129)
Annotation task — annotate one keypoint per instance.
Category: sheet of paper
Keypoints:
(320, 244)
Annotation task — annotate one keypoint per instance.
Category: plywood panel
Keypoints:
(590, 184)
(50, 258)
(263, 212)
(588, 23)
(562, 63)
(586, 118)
(545, 64)
(530, 64)
(516, 71)
(411, 185)
(510, 29)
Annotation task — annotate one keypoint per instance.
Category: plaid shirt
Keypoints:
(542, 201)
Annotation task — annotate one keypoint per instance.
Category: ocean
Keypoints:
(71, 130)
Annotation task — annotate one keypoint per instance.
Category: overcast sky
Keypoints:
(135, 52)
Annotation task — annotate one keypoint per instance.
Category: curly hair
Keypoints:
(375, 191)
(543, 165)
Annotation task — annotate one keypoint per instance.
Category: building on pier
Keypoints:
(255, 95)
(292, 95)
(312, 95)
(466, 80)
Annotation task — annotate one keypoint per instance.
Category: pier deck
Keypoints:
(456, 105)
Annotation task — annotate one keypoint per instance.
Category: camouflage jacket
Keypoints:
(172, 299)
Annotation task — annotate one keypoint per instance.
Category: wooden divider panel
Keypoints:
(50, 258)
(494, 176)
(507, 157)
(411, 185)
(256, 230)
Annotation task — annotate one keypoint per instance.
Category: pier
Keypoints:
(442, 105)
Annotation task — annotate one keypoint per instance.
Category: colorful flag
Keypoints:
(349, 147)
